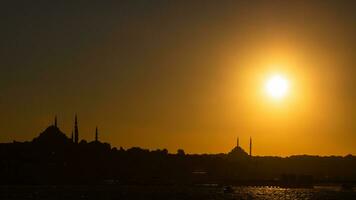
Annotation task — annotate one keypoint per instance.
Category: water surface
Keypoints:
(147, 192)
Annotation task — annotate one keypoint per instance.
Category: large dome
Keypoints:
(52, 135)
(238, 152)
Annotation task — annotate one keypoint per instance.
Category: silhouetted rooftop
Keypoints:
(52, 135)
(238, 152)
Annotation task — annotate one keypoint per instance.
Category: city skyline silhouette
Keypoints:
(178, 100)
(54, 157)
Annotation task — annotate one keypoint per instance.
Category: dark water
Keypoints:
(171, 192)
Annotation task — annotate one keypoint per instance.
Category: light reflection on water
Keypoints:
(269, 193)
(172, 192)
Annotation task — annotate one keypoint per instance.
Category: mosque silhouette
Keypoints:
(52, 135)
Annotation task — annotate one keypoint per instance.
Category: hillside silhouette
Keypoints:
(55, 158)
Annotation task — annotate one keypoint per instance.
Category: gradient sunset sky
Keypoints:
(182, 74)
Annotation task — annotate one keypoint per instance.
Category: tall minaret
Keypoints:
(250, 146)
(237, 142)
(55, 121)
(96, 134)
(76, 133)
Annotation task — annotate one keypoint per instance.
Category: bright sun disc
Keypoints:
(277, 86)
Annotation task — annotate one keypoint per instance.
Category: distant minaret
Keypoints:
(55, 121)
(250, 146)
(96, 134)
(76, 133)
(237, 142)
(72, 138)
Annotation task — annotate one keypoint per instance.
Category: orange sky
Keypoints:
(183, 75)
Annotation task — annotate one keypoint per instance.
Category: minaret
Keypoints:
(55, 121)
(250, 146)
(237, 142)
(76, 133)
(72, 138)
(96, 134)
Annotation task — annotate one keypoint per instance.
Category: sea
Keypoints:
(172, 192)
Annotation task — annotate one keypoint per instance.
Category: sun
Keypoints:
(277, 86)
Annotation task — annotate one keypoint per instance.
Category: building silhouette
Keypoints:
(76, 132)
(55, 121)
(250, 146)
(52, 137)
(96, 134)
(238, 152)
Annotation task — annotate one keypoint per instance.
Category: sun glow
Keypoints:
(277, 86)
